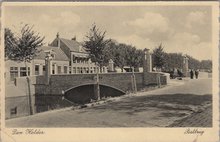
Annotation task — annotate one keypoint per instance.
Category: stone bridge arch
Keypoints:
(84, 93)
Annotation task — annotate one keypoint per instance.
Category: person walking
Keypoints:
(191, 74)
(197, 73)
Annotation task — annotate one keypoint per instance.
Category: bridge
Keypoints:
(55, 91)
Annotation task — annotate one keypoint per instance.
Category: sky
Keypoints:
(181, 29)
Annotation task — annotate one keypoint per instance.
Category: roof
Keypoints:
(73, 45)
(59, 54)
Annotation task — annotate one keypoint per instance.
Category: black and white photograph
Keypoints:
(110, 65)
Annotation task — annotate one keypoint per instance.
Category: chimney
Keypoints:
(58, 35)
(58, 40)
(74, 38)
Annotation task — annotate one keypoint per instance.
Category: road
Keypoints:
(157, 108)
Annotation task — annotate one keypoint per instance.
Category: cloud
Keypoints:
(186, 38)
(137, 41)
(64, 22)
(195, 18)
(151, 24)
(63, 19)
(190, 44)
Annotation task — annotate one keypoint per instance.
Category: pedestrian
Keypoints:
(197, 73)
(191, 74)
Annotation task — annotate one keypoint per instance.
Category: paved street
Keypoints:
(168, 106)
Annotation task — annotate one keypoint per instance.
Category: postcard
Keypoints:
(110, 71)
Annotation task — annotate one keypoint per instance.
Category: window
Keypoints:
(74, 70)
(59, 69)
(44, 69)
(24, 72)
(13, 111)
(78, 70)
(65, 69)
(53, 69)
(95, 70)
(13, 73)
(74, 60)
(36, 68)
(69, 70)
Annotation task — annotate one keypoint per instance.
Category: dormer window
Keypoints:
(53, 56)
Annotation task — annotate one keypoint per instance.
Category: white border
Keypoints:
(122, 134)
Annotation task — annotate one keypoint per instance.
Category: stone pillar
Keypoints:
(185, 65)
(18, 72)
(111, 65)
(147, 62)
(147, 65)
(48, 67)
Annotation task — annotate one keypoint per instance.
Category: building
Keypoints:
(60, 64)
(77, 54)
(69, 57)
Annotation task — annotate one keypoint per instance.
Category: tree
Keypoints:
(173, 60)
(134, 57)
(158, 57)
(10, 44)
(96, 44)
(23, 47)
(193, 63)
(120, 55)
(206, 64)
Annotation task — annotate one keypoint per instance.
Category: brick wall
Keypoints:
(60, 83)
(120, 81)
(151, 78)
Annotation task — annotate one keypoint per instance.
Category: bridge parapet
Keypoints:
(60, 83)
(121, 81)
